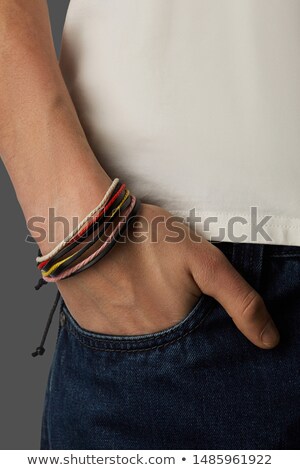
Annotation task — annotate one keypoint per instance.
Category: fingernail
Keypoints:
(270, 335)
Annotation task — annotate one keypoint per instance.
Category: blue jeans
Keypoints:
(197, 385)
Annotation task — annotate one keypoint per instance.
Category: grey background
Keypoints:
(24, 312)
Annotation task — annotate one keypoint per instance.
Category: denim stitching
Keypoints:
(286, 254)
(251, 261)
(77, 336)
(208, 299)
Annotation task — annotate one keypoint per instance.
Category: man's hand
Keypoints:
(147, 286)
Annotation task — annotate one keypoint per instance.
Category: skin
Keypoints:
(138, 287)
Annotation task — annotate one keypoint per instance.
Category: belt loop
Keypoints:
(256, 266)
(247, 258)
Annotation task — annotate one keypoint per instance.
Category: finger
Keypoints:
(216, 277)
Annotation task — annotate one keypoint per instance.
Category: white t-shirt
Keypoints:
(195, 104)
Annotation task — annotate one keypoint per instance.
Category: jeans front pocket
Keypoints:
(101, 399)
(132, 343)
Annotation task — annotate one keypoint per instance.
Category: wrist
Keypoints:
(58, 211)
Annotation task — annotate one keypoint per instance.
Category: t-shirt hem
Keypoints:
(242, 227)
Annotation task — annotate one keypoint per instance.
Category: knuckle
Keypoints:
(214, 260)
(210, 266)
(252, 305)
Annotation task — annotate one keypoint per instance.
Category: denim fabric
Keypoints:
(197, 385)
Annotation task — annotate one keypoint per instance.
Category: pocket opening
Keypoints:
(105, 341)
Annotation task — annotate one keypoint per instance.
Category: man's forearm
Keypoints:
(42, 143)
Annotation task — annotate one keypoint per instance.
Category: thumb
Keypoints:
(216, 277)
